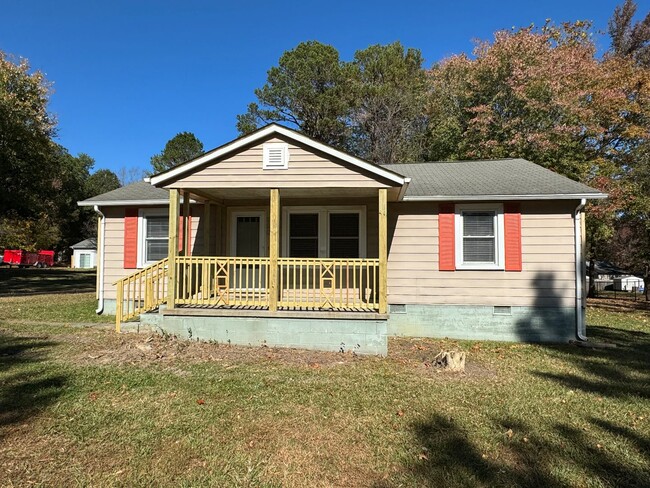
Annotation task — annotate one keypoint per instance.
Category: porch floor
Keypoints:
(250, 311)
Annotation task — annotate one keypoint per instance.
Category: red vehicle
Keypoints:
(20, 258)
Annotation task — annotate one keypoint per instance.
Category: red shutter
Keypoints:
(446, 237)
(130, 238)
(512, 231)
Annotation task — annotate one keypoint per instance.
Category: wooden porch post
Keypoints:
(274, 249)
(207, 228)
(186, 225)
(174, 211)
(383, 250)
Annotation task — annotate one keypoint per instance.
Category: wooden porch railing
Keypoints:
(222, 281)
(313, 284)
(346, 284)
(141, 291)
(214, 281)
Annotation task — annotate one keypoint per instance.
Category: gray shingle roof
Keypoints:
(435, 180)
(502, 177)
(86, 244)
(139, 191)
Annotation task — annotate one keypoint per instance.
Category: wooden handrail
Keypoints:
(222, 281)
(140, 292)
(219, 281)
(329, 283)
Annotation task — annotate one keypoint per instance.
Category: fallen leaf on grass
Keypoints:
(201, 401)
(509, 433)
(400, 413)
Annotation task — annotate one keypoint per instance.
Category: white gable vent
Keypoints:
(276, 155)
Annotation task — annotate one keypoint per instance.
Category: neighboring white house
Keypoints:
(85, 254)
(628, 283)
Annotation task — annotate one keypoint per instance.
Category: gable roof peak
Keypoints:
(264, 132)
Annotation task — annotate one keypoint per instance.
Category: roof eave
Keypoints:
(558, 196)
(178, 171)
(121, 203)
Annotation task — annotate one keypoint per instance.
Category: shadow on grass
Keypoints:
(622, 371)
(34, 281)
(26, 384)
(547, 452)
(453, 459)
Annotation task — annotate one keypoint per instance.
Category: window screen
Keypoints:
(156, 238)
(303, 235)
(344, 235)
(479, 243)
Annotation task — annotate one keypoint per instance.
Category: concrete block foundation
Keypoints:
(518, 324)
(330, 333)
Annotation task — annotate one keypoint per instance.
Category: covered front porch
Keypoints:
(291, 252)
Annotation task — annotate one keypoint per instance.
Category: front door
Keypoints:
(248, 239)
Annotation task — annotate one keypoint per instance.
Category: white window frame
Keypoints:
(323, 226)
(499, 244)
(143, 213)
(266, 149)
(256, 212)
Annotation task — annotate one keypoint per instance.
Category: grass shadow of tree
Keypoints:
(613, 371)
(34, 281)
(557, 453)
(27, 386)
(453, 459)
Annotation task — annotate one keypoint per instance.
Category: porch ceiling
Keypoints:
(218, 194)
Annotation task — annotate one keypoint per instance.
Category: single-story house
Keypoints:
(275, 238)
(84, 254)
(628, 283)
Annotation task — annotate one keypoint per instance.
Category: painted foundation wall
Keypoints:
(477, 322)
(336, 335)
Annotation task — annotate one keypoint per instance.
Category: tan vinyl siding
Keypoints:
(114, 246)
(547, 278)
(306, 170)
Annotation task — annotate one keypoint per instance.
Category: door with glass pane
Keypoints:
(248, 240)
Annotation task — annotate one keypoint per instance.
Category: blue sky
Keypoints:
(129, 75)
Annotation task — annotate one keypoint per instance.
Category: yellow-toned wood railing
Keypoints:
(222, 281)
(211, 281)
(141, 291)
(345, 284)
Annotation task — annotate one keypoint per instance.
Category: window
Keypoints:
(303, 235)
(84, 260)
(479, 237)
(275, 155)
(334, 232)
(344, 235)
(154, 236)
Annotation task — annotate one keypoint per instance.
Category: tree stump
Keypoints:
(450, 361)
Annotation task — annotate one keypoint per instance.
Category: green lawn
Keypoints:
(84, 406)
(34, 281)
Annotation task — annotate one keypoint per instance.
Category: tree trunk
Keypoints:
(646, 281)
